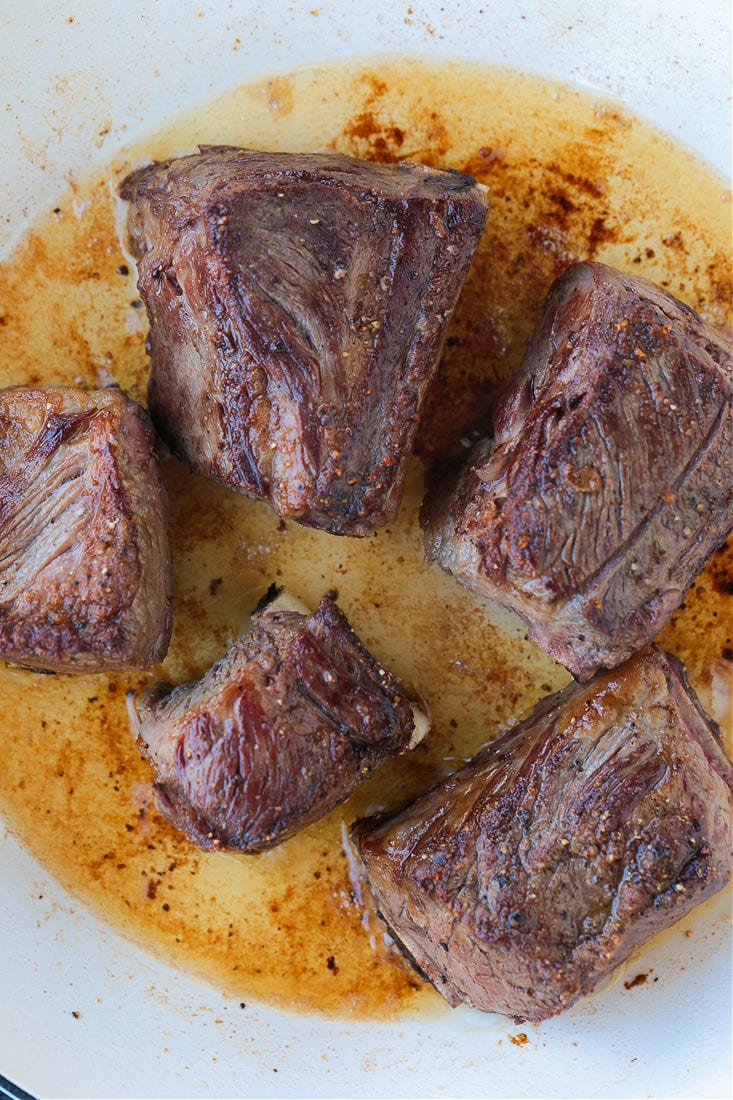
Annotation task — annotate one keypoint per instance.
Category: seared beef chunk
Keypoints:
(519, 883)
(291, 720)
(85, 567)
(609, 480)
(297, 308)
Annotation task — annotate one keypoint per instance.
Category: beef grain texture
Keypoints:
(284, 727)
(609, 479)
(86, 581)
(524, 879)
(297, 308)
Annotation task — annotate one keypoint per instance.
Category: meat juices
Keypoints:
(291, 720)
(85, 568)
(523, 880)
(297, 308)
(609, 479)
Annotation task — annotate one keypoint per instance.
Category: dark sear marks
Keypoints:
(565, 184)
(297, 307)
(291, 720)
(85, 567)
(608, 481)
(524, 879)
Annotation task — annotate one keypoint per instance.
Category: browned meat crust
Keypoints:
(291, 720)
(519, 883)
(609, 479)
(297, 308)
(85, 567)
